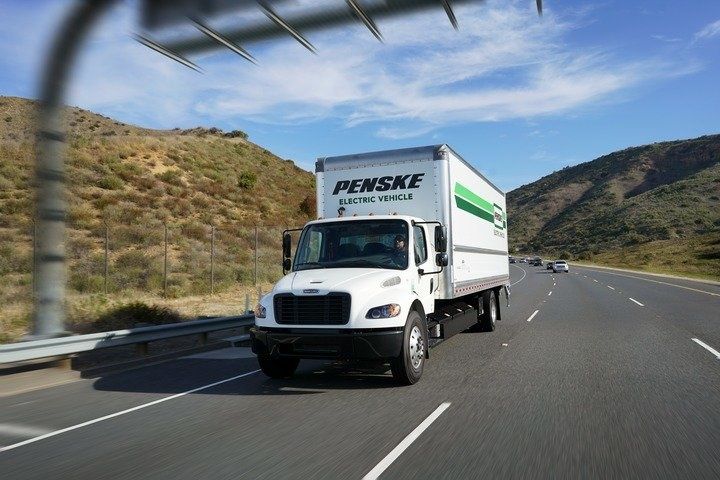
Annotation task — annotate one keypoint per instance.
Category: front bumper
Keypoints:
(376, 344)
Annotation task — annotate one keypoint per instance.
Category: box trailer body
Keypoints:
(353, 293)
(434, 184)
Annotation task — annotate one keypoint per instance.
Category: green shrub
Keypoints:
(247, 180)
(128, 316)
(84, 283)
(110, 182)
(173, 177)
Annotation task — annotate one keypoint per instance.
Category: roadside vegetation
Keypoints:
(129, 183)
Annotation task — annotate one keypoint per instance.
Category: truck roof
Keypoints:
(400, 155)
(365, 217)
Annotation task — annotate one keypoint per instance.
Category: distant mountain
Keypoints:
(655, 207)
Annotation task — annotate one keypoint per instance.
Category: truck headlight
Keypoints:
(260, 311)
(384, 311)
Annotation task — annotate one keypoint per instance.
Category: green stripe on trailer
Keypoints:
(473, 209)
(470, 197)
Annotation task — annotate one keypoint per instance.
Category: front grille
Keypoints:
(331, 309)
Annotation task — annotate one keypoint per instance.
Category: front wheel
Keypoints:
(408, 367)
(281, 367)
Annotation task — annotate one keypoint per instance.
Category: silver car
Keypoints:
(560, 266)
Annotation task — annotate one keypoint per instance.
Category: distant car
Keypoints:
(560, 266)
(522, 260)
(549, 266)
(512, 259)
(536, 262)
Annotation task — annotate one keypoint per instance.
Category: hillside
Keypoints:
(136, 180)
(655, 207)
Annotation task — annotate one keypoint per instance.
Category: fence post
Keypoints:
(165, 271)
(247, 303)
(212, 259)
(259, 296)
(256, 255)
(107, 251)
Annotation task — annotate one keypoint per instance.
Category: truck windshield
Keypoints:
(354, 244)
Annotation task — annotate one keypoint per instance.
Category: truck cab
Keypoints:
(353, 281)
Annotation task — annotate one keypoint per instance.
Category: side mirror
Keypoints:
(287, 241)
(440, 239)
(441, 259)
(287, 263)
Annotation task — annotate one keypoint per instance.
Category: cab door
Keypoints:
(424, 285)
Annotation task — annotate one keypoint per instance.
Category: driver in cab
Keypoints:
(399, 251)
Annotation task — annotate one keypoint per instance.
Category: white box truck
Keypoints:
(410, 248)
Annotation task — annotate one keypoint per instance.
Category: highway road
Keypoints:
(591, 374)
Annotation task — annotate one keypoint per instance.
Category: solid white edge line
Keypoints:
(533, 315)
(633, 300)
(123, 412)
(707, 347)
(521, 278)
(611, 288)
(406, 442)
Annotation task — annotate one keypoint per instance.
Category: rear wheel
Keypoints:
(408, 367)
(490, 311)
(281, 367)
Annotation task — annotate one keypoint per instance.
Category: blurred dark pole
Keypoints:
(165, 268)
(107, 253)
(212, 260)
(49, 316)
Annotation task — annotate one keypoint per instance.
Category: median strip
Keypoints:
(707, 347)
(407, 441)
(633, 300)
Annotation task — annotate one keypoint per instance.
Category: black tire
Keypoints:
(490, 311)
(408, 367)
(281, 367)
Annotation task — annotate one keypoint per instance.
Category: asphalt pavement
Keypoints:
(591, 374)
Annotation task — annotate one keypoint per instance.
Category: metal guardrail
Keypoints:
(36, 349)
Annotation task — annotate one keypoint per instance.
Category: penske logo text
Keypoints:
(379, 184)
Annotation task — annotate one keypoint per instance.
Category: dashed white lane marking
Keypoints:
(707, 347)
(16, 430)
(533, 315)
(407, 441)
(550, 293)
(521, 278)
(611, 287)
(633, 300)
(662, 283)
(595, 280)
(123, 412)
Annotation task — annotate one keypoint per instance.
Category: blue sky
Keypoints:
(517, 96)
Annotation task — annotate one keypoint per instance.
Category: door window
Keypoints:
(420, 245)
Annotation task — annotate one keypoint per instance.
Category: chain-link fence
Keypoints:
(163, 259)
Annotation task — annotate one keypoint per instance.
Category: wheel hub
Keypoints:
(417, 347)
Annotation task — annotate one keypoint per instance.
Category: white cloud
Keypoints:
(709, 31)
(503, 64)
